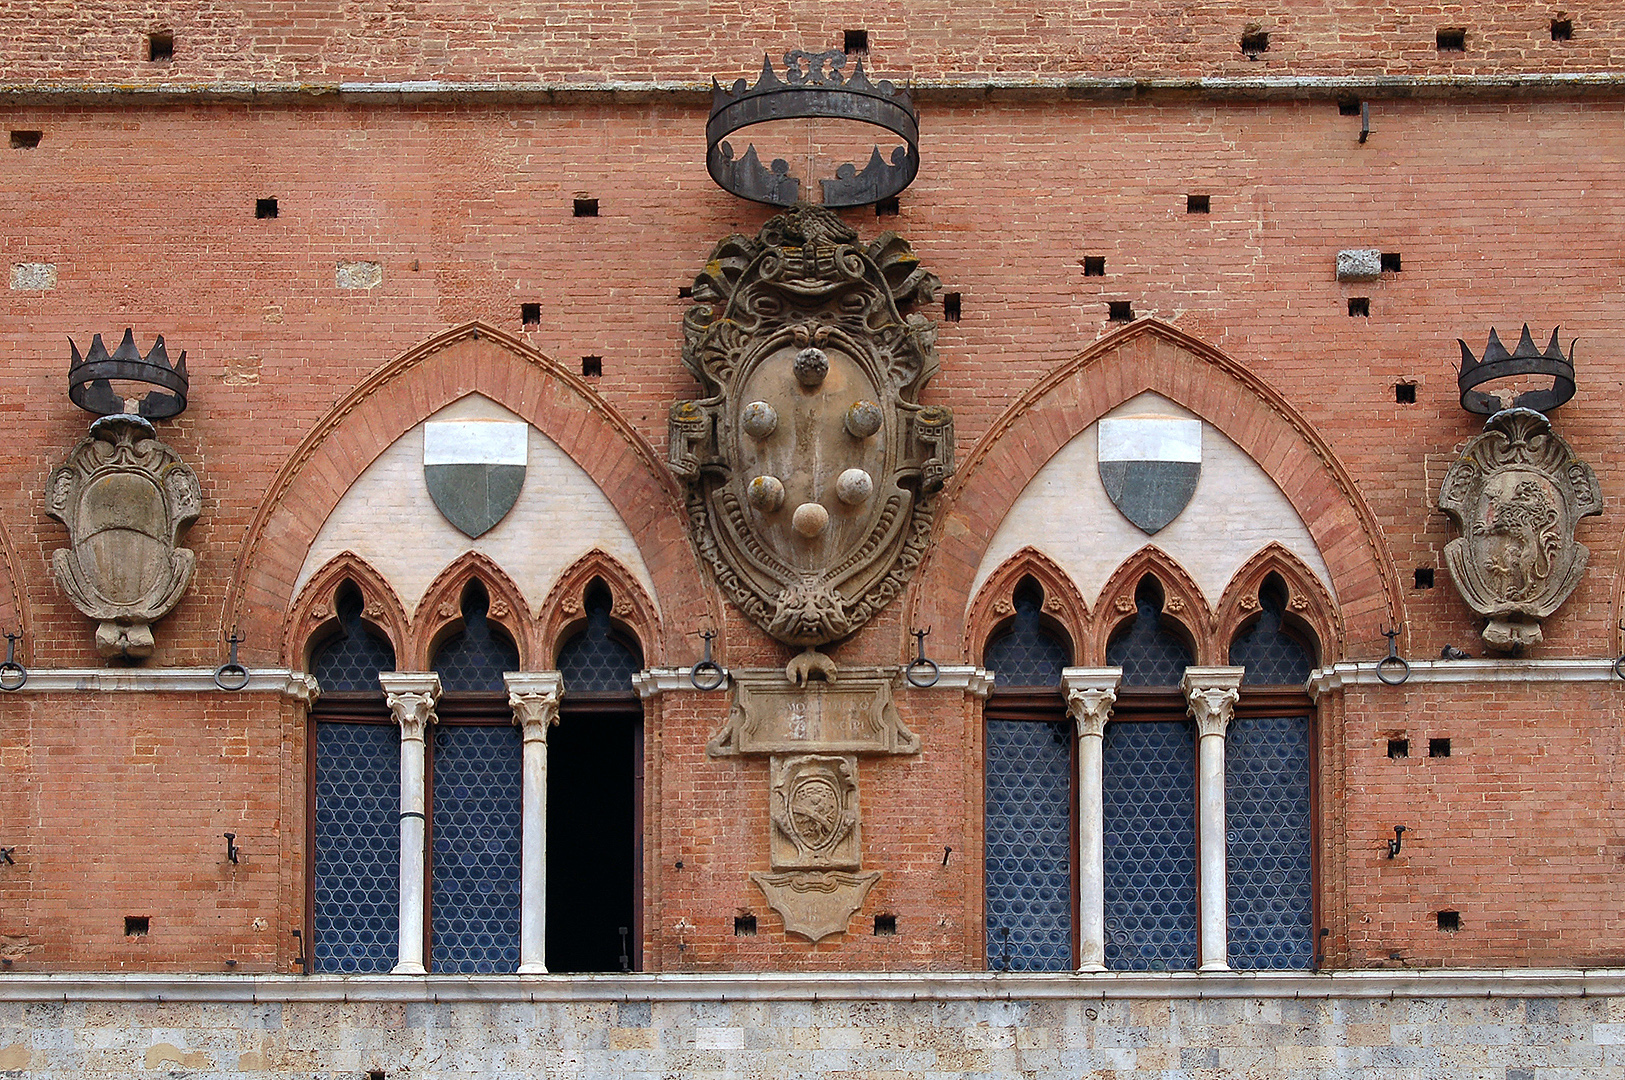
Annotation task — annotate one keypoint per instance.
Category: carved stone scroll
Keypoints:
(126, 498)
(810, 465)
(1517, 493)
(856, 715)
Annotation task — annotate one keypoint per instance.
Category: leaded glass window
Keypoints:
(1150, 653)
(1029, 846)
(475, 657)
(357, 850)
(1028, 809)
(1268, 843)
(1150, 844)
(597, 659)
(1271, 655)
(478, 772)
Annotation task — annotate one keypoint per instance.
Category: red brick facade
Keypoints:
(1500, 200)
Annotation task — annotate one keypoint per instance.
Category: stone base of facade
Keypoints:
(1443, 1025)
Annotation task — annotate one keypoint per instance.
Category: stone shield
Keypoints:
(811, 466)
(475, 470)
(1149, 466)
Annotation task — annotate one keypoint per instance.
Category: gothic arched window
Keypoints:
(1029, 798)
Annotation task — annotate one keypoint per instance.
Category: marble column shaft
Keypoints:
(534, 697)
(1211, 693)
(1090, 694)
(412, 697)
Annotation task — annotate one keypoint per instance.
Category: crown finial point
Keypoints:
(1554, 348)
(1495, 350)
(1526, 344)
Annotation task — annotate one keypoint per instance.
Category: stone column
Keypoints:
(411, 697)
(1090, 693)
(534, 697)
(1211, 693)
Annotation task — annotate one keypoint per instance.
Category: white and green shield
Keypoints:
(474, 469)
(1149, 466)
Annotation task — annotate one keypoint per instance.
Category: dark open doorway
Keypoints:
(595, 800)
(593, 833)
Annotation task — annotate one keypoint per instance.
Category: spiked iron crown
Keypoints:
(812, 88)
(1526, 359)
(91, 378)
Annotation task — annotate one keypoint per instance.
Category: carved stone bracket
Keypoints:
(816, 905)
(126, 498)
(856, 715)
(1516, 494)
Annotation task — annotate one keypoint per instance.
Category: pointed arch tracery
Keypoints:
(565, 611)
(440, 613)
(1181, 603)
(994, 605)
(1309, 610)
(313, 617)
(473, 358)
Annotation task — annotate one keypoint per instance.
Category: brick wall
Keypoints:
(1503, 211)
(688, 41)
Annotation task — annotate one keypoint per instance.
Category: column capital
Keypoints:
(1090, 694)
(411, 696)
(1211, 693)
(534, 698)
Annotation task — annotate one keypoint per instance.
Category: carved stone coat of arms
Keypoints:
(1516, 493)
(811, 465)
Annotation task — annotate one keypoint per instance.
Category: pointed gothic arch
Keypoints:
(313, 617)
(440, 613)
(473, 358)
(1182, 603)
(564, 612)
(994, 602)
(1150, 355)
(1309, 608)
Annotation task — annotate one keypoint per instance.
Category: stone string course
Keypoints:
(632, 1028)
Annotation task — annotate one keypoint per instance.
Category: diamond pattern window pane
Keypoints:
(595, 659)
(358, 843)
(1149, 654)
(1029, 846)
(1266, 788)
(353, 659)
(475, 657)
(1150, 826)
(1027, 654)
(1271, 656)
(478, 772)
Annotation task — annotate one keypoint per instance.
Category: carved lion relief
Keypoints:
(810, 465)
(1516, 493)
(125, 498)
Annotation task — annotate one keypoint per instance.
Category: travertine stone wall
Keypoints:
(1029, 1028)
